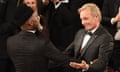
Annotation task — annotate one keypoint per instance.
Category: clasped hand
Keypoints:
(82, 65)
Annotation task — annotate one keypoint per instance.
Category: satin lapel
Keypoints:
(78, 43)
(92, 39)
(88, 44)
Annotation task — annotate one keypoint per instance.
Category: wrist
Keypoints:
(86, 68)
(113, 21)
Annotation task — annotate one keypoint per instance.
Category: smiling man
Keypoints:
(92, 50)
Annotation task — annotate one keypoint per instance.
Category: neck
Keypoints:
(26, 27)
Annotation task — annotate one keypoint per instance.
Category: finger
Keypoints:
(84, 62)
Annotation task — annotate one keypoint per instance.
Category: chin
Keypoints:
(87, 29)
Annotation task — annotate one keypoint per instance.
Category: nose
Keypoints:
(29, 5)
(83, 22)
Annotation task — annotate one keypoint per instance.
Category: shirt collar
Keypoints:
(92, 31)
(59, 3)
(65, 1)
(32, 31)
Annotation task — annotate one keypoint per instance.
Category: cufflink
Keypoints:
(91, 62)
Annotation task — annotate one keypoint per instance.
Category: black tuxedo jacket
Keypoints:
(109, 10)
(61, 25)
(98, 48)
(7, 9)
(30, 53)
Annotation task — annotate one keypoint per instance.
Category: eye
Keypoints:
(27, 3)
(33, 2)
(85, 18)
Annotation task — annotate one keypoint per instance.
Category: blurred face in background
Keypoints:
(55, 1)
(34, 20)
(31, 3)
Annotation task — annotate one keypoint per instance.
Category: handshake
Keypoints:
(83, 65)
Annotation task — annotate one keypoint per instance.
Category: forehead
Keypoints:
(85, 12)
(30, 1)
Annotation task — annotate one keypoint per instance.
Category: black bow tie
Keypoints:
(56, 3)
(89, 33)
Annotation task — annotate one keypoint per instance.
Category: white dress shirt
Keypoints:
(63, 1)
(32, 31)
(117, 35)
(86, 38)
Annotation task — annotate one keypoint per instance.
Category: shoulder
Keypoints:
(12, 40)
(80, 31)
(104, 34)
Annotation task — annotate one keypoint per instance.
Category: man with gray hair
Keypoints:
(92, 45)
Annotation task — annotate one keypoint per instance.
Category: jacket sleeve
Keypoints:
(105, 51)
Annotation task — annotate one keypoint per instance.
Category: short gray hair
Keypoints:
(95, 11)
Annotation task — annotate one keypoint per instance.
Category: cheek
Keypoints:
(83, 21)
(34, 8)
(29, 5)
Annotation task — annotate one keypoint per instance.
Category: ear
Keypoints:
(31, 23)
